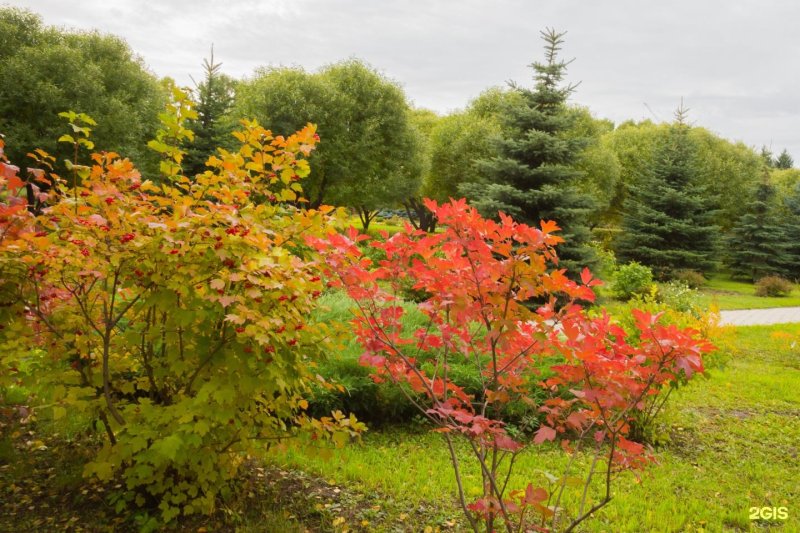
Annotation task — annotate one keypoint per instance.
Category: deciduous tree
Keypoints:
(44, 71)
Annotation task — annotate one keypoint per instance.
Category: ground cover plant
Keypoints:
(478, 275)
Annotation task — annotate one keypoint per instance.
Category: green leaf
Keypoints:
(66, 139)
(168, 447)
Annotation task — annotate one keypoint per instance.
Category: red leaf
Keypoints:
(544, 433)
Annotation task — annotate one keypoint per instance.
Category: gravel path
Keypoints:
(753, 317)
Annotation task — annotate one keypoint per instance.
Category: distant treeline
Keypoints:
(669, 195)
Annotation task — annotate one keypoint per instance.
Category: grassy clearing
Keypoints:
(729, 294)
(735, 441)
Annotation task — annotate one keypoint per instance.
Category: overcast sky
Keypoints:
(735, 62)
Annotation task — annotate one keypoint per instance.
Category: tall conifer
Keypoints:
(533, 177)
(668, 218)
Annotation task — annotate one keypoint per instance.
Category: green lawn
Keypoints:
(728, 294)
(735, 445)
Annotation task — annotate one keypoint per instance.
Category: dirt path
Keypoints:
(753, 317)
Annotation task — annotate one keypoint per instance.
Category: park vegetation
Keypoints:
(179, 268)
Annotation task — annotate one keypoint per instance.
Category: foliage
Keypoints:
(213, 101)
(606, 263)
(727, 170)
(44, 71)
(773, 286)
(457, 142)
(479, 274)
(533, 176)
(691, 278)
(16, 226)
(784, 160)
(372, 156)
(599, 165)
(631, 279)
(176, 314)
(678, 295)
(668, 218)
(790, 229)
(758, 244)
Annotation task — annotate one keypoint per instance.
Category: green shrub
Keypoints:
(606, 261)
(773, 286)
(692, 278)
(678, 295)
(378, 403)
(632, 279)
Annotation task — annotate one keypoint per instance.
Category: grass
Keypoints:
(390, 225)
(735, 444)
(728, 294)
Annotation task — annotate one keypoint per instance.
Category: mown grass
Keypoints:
(728, 294)
(735, 444)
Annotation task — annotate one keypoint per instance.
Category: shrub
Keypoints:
(176, 314)
(606, 263)
(773, 286)
(679, 296)
(480, 275)
(692, 278)
(632, 279)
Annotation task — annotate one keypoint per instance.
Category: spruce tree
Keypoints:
(791, 234)
(784, 160)
(667, 224)
(533, 176)
(757, 245)
(214, 98)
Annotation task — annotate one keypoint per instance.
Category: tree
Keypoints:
(668, 219)
(632, 143)
(456, 143)
(791, 232)
(212, 128)
(44, 71)
(478, 275)
(728, 170)
(757, 244)
(767, 156)
(784, 160)
(599, 166)
(370, 156)
(385, 159)
(533, 177)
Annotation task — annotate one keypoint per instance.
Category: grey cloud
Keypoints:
(732, 61)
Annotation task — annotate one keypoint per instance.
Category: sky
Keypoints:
(734, 62)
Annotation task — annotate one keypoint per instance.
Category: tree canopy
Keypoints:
(45, 71)
(370, 154)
